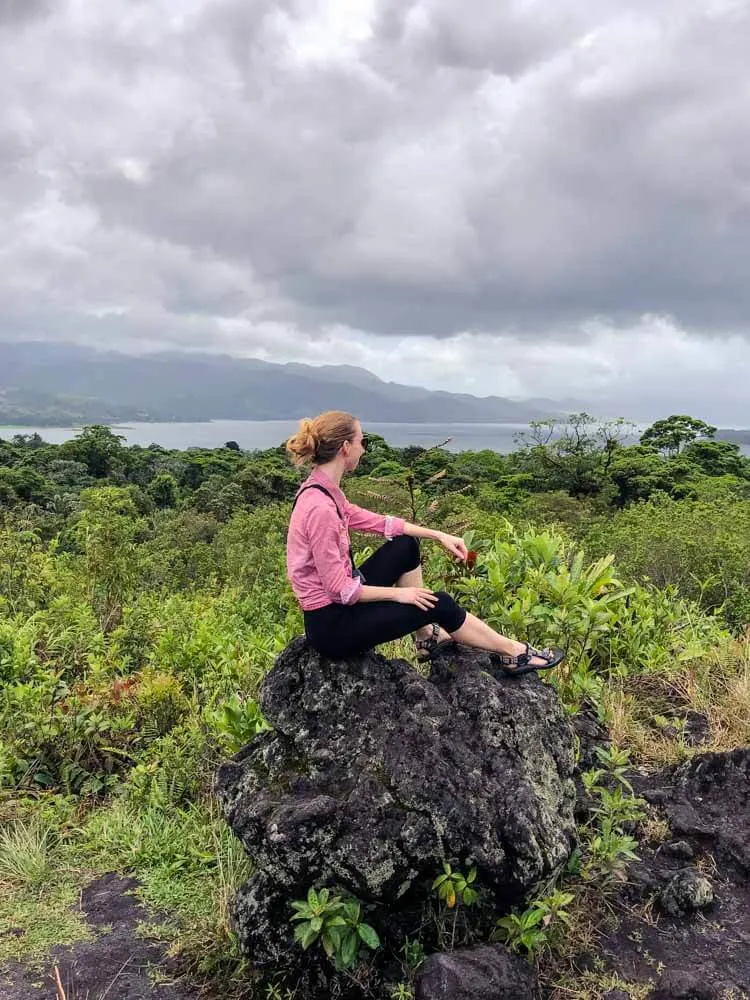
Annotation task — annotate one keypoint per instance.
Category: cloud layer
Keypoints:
(520, 197)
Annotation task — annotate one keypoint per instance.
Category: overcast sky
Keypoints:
(529, 198)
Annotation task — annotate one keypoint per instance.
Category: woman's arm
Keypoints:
(418, 531)
(389, 526)
(323, 530)
(372, 523)
(451, 543)
(421, 596)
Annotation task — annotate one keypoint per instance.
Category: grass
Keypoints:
(595, 986)
(32, 921)
(189, 865)
(38, 894)
(39, 886)
(717, 687)
(654, 828)
(187, 861)
(25, 854)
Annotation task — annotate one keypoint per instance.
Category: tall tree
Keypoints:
(670, 435)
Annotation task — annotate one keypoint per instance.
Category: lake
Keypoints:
(251, 434)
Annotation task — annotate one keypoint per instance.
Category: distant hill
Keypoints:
(736, 436)
(58, 384)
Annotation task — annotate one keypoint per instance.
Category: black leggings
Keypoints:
(340, 630)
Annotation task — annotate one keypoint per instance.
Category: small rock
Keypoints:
(617, 995)
(686, 892)
(488, 972)
(679, 849)
(697, 729)
(655, 796)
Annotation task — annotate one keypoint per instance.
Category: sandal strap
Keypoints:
(431, 641)
(523, 658)
(506, 660)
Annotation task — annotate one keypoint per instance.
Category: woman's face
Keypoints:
(356, 448)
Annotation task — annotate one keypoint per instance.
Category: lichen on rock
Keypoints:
(686, 892)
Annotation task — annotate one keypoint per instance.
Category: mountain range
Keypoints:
(62, 384)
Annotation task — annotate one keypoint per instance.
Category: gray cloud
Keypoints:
(397, 168)
(17, 11)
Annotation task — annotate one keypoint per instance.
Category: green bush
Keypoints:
(160, 703)
(60, 738)
(700, 547)
(173, 769)
(539, 587)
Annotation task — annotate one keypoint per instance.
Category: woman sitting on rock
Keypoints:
(348, 611)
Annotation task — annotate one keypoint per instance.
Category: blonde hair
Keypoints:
(317, 441)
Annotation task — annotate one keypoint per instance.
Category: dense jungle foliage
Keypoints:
(143, 597)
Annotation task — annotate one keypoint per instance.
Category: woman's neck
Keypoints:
(333, 471)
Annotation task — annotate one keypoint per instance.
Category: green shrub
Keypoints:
(236, 723)
(61, 738)
(67, 636)
(336, 923)
(17, 659)
(700, 547)
(172, 770)
(160, 703)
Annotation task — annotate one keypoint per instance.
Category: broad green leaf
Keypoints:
(369, 936)
(349, 949)
(308, 938)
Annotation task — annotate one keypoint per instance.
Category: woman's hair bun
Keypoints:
(303, 445)
(319, 440)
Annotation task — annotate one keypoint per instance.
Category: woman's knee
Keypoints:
(448, 613)
(407, 548)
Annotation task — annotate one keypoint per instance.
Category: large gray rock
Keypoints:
(373, 776)
(488, 972)
(710, 800)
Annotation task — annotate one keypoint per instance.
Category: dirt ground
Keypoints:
(114, 966)
(704, 956)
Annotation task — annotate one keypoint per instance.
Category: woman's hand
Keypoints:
(455, 545)
(423, 598)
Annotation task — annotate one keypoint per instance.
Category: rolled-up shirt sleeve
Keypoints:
(376, 524)
(324, 531)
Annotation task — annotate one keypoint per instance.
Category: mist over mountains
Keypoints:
(60, 384)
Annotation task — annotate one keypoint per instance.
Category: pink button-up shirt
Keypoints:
(317, 545)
